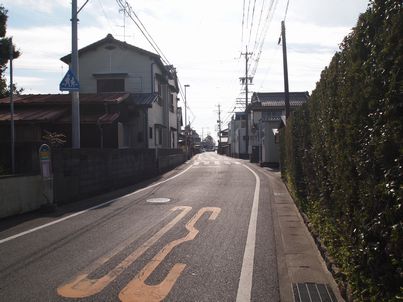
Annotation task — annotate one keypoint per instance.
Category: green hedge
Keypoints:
(342, 154)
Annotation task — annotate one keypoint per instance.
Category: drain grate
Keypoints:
(313, 292)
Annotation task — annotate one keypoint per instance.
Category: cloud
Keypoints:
(327, 13)
(44, 6)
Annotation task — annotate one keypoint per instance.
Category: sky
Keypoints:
(204, 40)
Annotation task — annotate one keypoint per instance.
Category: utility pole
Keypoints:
(246, 80)
(75, 104)
(286, 91)
(186, 129)
(186, 86)
(11, 54)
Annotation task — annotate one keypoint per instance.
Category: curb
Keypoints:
(344, 286)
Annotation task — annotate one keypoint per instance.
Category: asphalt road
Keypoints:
(202, 233)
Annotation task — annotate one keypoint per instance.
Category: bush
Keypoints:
(342, 154)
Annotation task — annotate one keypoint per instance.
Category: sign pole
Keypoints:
(75, 104)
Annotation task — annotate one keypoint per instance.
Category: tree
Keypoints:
(5, 54)
(208, 143)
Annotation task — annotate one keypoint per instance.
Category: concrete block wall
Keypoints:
(86, 172)
(14, 200)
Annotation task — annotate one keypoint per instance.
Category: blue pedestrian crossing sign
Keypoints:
(69, 82)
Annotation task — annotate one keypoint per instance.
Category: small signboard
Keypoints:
(44, 158)
(44, 152)
(69, 82)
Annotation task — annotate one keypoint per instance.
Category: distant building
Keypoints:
(237, 135)
(265, 112)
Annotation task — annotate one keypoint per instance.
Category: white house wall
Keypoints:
(154, 117)
(138, 68)
(271, 150)
(117, 60)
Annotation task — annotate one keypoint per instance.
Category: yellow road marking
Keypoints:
(137, 290)
(82, 286)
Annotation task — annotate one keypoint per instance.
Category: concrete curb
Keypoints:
(300, 259)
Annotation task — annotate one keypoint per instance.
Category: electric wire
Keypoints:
(251, 25)
(106, 17)
(130, 12)
(243, 21)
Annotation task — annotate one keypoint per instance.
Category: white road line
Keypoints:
(237, 163)
(245, 281)
(216, 162)
(197, 163)
(89, 209)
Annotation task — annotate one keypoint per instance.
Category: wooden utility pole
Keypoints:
(286, 91)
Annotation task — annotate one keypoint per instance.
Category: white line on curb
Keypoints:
(245, 281)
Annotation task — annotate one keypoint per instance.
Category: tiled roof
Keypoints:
(33, 114)
(92, 118)
(276, 99)
(56, 115)
(144, 99)
(111, 40)
(87, 98)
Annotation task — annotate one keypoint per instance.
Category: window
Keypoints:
(272, 115)
(151, 132)
(110, 85)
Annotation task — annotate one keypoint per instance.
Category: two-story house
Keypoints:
(265, 113)
(113, 66)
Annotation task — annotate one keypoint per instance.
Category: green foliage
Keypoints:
(342, 154)
(5, 54)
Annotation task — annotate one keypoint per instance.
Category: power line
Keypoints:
(251, 25)
(286, 10)
(247, 17)
(106, 17)
(243, 20)
(269, 17)
(260, 21)
(130, 12)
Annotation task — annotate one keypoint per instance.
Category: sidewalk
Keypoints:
(303, 275)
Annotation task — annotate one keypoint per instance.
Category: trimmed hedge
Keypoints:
(342, 155)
